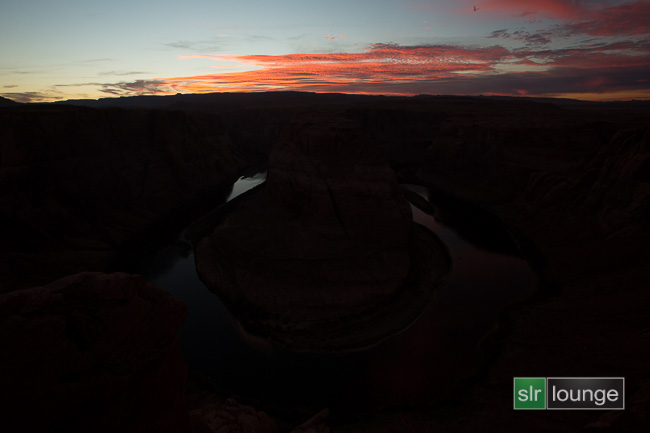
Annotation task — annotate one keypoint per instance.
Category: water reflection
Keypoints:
(246, 183)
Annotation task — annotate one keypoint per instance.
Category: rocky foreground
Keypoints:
(90, 188)
(92, 352)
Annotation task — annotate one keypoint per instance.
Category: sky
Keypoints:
(69, 49)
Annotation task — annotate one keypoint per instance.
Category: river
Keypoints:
(420, 364)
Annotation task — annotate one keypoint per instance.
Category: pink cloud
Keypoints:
(631, 18)
(624, 54)
(597, 18)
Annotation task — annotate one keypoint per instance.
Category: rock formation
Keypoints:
(92, 352)
(326, 242)
(230, 417)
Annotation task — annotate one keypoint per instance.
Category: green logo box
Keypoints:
(529, 393)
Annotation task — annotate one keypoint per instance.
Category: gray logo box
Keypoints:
(585, 393)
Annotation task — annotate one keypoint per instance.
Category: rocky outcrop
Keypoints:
(92, 352)
(563, 185)
(491, 158)
(618, 180)
(81, 187)
(230, 417)
(314, 258)
(213, 415)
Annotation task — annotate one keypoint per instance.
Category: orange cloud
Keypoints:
(382, 63)
(600, 68)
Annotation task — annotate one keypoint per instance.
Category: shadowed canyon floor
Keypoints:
(99, 188)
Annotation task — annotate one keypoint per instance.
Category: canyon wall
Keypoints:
(82, 187)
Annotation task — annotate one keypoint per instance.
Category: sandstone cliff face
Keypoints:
(602, 202)
(92, 352)
(562, 181)
(79, 184)
(493, 157)
(619, 190)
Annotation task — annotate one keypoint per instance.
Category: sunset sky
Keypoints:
(68, 49)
